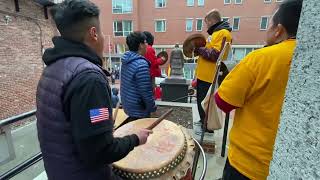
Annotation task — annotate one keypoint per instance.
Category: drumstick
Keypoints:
(116, 112)
(161, 118)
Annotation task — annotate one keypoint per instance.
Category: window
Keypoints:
(239, 53)
(188, 73)
(200, 2)
(236, 24)
(279, 0)
(248, 50)
(264, 23)
(121, 6)
(199, 25)
(160, 26)
(158, 50)
(226, 19)
(160, 3)
(267, 1)
(238, 1)
(122, 28)
(164, 71)
(121, 48)
(190, 2)
(189, 24)
(227, 1)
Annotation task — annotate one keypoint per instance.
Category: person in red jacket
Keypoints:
(150, 55)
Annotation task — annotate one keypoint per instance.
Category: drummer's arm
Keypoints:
(93, 138)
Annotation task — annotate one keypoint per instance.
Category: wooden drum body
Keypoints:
(168, 153)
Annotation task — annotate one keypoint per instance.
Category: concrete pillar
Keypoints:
(297, 147)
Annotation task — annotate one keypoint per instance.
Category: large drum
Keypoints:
(168, 153)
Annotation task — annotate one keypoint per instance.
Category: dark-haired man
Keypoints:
(135, 85)
(256, 89)
(74, 110)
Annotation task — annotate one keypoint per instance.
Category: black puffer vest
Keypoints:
(54, 131)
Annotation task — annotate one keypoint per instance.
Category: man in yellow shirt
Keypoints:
(256, 89)
(219, 32)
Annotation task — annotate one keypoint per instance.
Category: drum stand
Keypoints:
(225, 135)
(204, 159)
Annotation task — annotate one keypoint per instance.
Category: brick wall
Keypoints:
(21, 43)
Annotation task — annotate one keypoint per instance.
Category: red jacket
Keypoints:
(155, 70)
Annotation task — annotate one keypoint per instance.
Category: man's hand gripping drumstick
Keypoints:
(143, 134)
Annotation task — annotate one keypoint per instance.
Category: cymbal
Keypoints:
(194, 40)
(165, 55)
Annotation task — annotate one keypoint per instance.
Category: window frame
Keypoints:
(122, 25)
(158, 7)
(224, 1)
(241, 2)
(201, 5)
(198, 19)
(236, 17)
(189, 4)
(267, 23)
(189, 19)
(222, 18)
(155, 25)
(122, 12)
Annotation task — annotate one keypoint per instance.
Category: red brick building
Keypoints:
(24, 32)
(172, 21)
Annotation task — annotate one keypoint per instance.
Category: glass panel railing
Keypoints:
(24, 140)
(35, 172)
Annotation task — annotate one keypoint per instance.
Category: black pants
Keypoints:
(230, 173)
(202, 89)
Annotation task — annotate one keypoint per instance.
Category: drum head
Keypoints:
(165, 149)
(163, 54)
(198, 40)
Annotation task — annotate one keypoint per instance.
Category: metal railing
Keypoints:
(21, 167)
(5, 125)
(17, 118)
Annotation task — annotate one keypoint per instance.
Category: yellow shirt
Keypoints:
(207, 68)
(257, 86)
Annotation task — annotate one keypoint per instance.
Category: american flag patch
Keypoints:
(98, 115)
